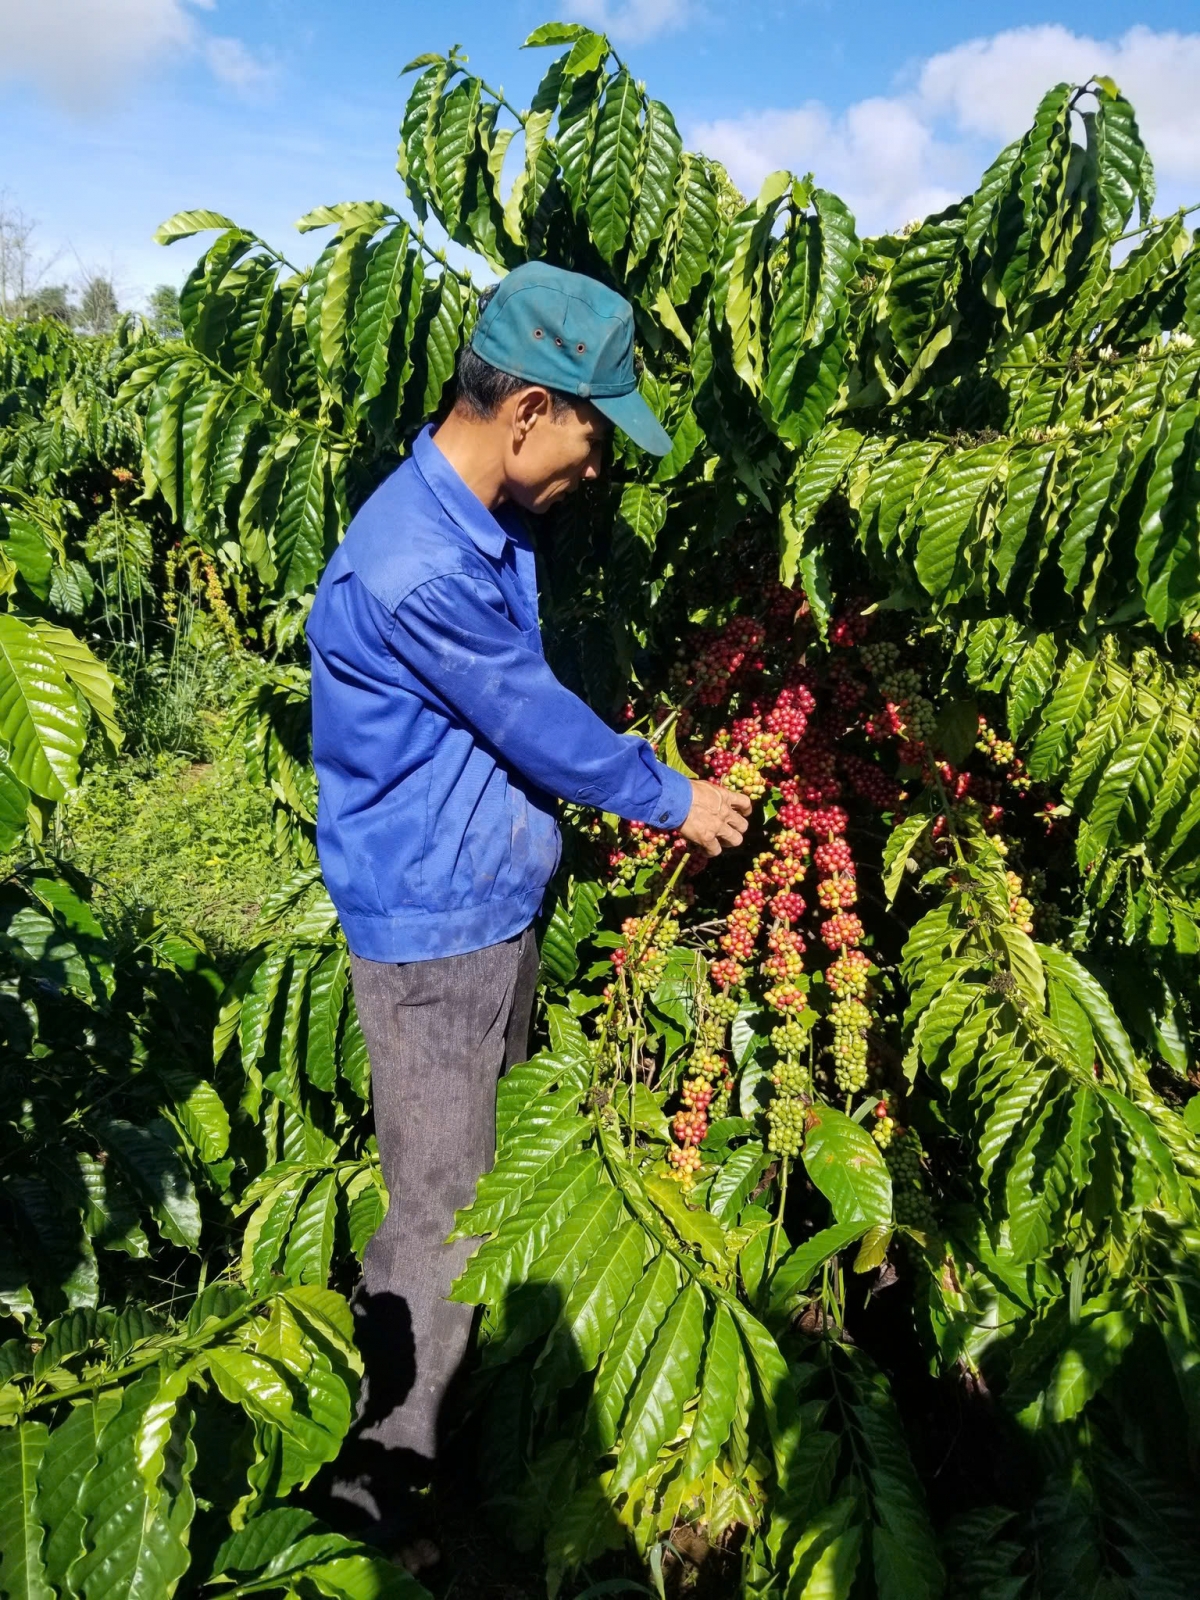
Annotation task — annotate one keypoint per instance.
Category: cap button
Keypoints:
(585, 390)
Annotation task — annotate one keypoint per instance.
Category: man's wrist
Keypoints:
(676, 799)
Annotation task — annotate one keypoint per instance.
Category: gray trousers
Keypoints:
(439, 1034)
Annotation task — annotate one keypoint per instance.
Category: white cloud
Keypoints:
(83, 53)
(896, 157)
(232, 63)
(631, 21)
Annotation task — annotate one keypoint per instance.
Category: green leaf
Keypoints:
(326, 1002)
(658, 169)
(801, 1265)
(519, 1168)
(1024, 963)
(138, 1504)
(692, 230)
(735, 1182)
(22, 1571)
(738, 292)
(507, 1257)
(667, 1381)
(310, 1241)
(614, 162)
(441, 340)
(389, 266)
(776, 1390)
(14, 800)
(578, 110)
(839, 248)
(148, 1157)
(1168, 546)
(556, 33)
(643, 510)
(1091, 1356)
(816, 477)
(1147, 1142)
(186, 223)
(1092, 996)
(950, 502)
(201, 1112)
(639, 1322)
(269, 1224)
(718, 1394)
(694, 1224)
(896, 486)
(589, 1315)
(542, 1090)
(590, 51)
(457, 123)
(845, 1163)
(528, 1315)
(63, 1480)
(1065, 716)
(300, 527)
(40, 719)
(902, 841)
(261, 1540)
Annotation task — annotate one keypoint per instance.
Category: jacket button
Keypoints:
(665, 816)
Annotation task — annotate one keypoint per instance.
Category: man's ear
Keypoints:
(531, 405)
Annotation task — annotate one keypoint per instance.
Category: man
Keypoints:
(442, 741)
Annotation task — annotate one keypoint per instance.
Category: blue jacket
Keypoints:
(440, 735)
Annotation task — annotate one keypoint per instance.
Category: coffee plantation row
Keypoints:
(842, 1236)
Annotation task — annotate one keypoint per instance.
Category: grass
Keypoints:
(190, 840)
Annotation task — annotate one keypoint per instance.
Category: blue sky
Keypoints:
(115, 113)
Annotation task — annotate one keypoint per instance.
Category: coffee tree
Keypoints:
(905, 1088)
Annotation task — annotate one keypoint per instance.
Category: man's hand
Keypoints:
(717, 818)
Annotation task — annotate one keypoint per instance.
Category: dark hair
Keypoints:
(483, 388)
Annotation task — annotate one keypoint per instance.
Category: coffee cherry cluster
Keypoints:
(909, 1200)
(1020, 908)
(689, 1127)
(686, 1161)
(717, 659)
(884, 1129)
(792, 1077)
(639, 845)
(785, 997)
(652, 955)
(906, 714)
(790, 1037)
(837, 892)
(787, 906)
(842, 932)
(833, 856)
(847, 974)
(851, 1022)
(785, 1125)
(745, 777)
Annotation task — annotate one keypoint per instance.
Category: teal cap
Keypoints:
(572, 334)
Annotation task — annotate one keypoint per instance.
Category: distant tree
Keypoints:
(98, 308)
(164, 311)
(49, 301)
(21, 267)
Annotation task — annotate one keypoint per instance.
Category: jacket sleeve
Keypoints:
(453, 634)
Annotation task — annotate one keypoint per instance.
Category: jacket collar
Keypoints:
(462, 505)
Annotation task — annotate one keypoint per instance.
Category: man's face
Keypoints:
(552, 455)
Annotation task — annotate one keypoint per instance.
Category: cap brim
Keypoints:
(633, 416)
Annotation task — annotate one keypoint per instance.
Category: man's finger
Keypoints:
(739, 802)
